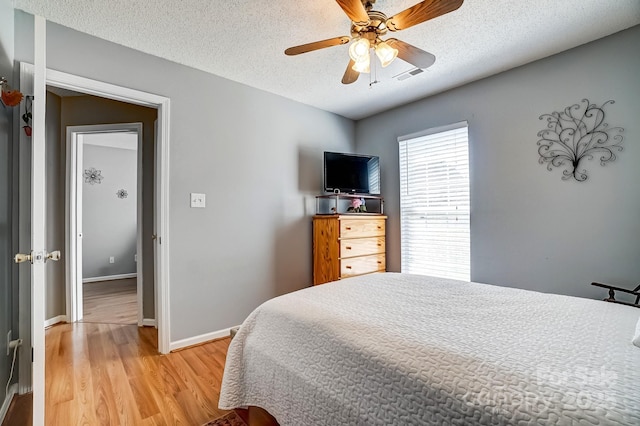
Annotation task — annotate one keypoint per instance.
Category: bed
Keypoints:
(399, 349)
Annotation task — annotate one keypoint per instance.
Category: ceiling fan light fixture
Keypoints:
(362, 66)
(359, 49)
(385, 53)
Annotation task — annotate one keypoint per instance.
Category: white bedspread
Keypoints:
(396, 349)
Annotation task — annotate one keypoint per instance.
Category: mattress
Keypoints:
(399, 349)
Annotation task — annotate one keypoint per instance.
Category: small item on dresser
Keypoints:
(357, 206)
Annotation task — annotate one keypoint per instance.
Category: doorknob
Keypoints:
(37, 257)
(54, 255)
(20, 257)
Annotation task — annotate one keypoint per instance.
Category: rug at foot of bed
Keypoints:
(229, 419)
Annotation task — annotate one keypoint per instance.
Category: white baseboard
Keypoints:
(55, 320)
(148, 322)
(196, 340)
(13, 389)
(109, 278)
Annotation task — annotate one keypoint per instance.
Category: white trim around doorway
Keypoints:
(74, 215)
(162, 104)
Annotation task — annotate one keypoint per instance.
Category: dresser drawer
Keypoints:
(357, 228)
(362, 265)
(361, 246)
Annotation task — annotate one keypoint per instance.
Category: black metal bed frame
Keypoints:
(612, 294)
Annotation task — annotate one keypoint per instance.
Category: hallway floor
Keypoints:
(111, 302)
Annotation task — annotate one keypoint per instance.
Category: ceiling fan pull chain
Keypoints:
(373, 74)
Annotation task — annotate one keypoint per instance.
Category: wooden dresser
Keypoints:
(347, 245)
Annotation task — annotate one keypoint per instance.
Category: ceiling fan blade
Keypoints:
(309, 47)
(412, 54)
(354, 10)
(416, 14)
(350, 75)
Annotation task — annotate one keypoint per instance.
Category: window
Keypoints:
(434, 202)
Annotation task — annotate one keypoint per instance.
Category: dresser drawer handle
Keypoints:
(379, 227)
(348, 247)
(379, 262)
(348, 267)
(348, 228)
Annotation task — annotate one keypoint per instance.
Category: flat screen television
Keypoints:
(351, 173)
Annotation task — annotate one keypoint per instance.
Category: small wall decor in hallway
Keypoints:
(8, 96)
(122, 193)
(575, 134)
(93, 176)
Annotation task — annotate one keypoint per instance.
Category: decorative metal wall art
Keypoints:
(578, 133)
(93, 176)
(122, 193)
(27, 116)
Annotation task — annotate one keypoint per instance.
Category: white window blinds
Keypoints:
(434, 203)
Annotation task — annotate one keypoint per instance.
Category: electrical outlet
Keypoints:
(112, 259)
(198, 200)
(8, 343)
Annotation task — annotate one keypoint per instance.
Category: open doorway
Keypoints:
(82, 104)
(106, 178)
(118, 266)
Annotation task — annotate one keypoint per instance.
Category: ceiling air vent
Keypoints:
(408, 74)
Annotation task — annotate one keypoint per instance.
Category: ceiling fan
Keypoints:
(368, 25)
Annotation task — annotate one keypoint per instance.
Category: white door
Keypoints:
(32, 197)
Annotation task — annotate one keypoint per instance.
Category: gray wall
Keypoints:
(529, 228)
(6, 119)
(109, 223)
(257, 157)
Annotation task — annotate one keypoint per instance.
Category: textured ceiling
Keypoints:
(244, 40)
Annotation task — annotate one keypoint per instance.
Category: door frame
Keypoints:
(162, 104)
(74, 214)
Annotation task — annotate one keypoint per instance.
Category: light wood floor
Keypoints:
(113, 302)
(108, 374)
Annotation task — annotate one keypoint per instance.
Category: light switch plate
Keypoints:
(198, 200)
